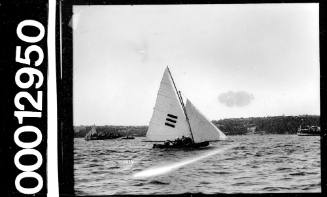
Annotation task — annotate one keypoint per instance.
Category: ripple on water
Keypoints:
(298, 174)
(156, 182)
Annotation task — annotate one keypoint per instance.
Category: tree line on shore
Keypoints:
(137, 131)
(231, 126)
(267, 125)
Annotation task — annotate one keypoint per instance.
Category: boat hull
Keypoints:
(193, 145)
(128, 138)
(308, 134)
(100, 138)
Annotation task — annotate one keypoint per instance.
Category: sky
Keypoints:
(230, 60)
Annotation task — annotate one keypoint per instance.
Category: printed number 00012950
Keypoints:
(34, 82)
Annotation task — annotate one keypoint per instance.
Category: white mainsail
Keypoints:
(202, 129)
(168, 120)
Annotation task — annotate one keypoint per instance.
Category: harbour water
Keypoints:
(242, 164)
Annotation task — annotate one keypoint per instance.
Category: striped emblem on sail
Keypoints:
(171, 120)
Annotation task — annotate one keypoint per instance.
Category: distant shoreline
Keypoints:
(230, 126)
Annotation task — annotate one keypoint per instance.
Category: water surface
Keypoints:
(247, 164)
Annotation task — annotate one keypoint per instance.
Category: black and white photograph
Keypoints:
(196, 98)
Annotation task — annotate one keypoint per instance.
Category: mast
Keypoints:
(182, 103)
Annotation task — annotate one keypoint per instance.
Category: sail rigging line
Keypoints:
(187, 119)
(181, 102)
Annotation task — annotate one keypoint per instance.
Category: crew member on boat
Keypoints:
(184, 141)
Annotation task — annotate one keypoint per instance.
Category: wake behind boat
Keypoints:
(176, 124)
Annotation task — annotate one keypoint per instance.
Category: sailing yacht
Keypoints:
(173, 121)
(92, 134)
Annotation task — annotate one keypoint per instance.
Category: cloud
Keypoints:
(237, 99)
